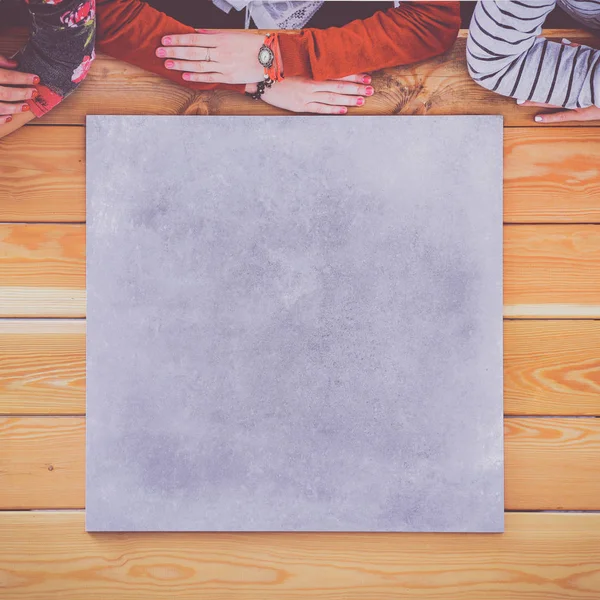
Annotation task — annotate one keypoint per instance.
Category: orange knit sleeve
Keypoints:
(412, 32)
(132, 30)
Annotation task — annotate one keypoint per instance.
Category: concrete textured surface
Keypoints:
(294, 323)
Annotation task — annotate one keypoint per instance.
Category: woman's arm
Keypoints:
(506, 55)
(132, 30)
(412, 32)
(60, 49)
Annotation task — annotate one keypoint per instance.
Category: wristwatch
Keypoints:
(266, 56)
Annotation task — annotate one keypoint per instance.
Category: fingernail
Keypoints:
(538, 119)
(566, 41)
(25, 108)
(370, 91)
(8, 119)
(187, 76)
(34, 94)
(161, 52)
(343, 110)
(360, 101)
(520, 101)
(166, 41)
(366, 79)
(169, 64)
(36, 80)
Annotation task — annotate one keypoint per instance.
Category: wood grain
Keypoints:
(549, 270)
(42, 174)
(439, 86)
(48, 556)
(551, 175)
(550, 367)
(42, 270)
(42, 367)
(552, 271)
(42, 462)
(551, 463)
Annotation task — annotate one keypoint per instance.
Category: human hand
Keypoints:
(214, 56)
(590, 113)
(330, 97)
(15, 88)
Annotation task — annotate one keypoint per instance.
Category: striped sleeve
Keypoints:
(506, 55)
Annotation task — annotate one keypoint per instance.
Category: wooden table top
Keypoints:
(551, 548)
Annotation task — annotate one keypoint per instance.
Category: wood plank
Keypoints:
(549, 271)
(439, 86)
(42, 270)
(46, 556)
(42, 462)
(42, 174)
(551, 175)
(42, 367)
(550, 367)
(552, 271)
(551, 463)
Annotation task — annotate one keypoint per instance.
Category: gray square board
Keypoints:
(294, 323)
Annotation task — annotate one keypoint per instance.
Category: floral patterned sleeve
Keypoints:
(60, 49)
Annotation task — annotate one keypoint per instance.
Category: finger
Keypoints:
(567, 42)
(339, 99)
(325, 109)
(538, 104)
(205, 77)
(17, 78)
(7, 108)
(360, 78)
(191, 39)
(5, 119)
(17, 94)
(344, 87)
(191, 66)
(7, 63)
(562, 116)
(189, 53)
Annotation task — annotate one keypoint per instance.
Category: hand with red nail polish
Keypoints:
(330, 97)
(214, 56)
(15, 87)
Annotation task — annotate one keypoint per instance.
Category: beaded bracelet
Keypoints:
(269, 56)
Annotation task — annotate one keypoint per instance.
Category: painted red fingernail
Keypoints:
(36, 80)
(161, 52)
(25, 107)
(187, 76)
(360, 101)
(366, 79)
(169, 64)
(35, 94)
(370, 91)
(166, 41)
(343, 110)
(8, 119)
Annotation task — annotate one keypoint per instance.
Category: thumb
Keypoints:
(558, 117)
(7, 63)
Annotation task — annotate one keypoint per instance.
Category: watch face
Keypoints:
(265, 57)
